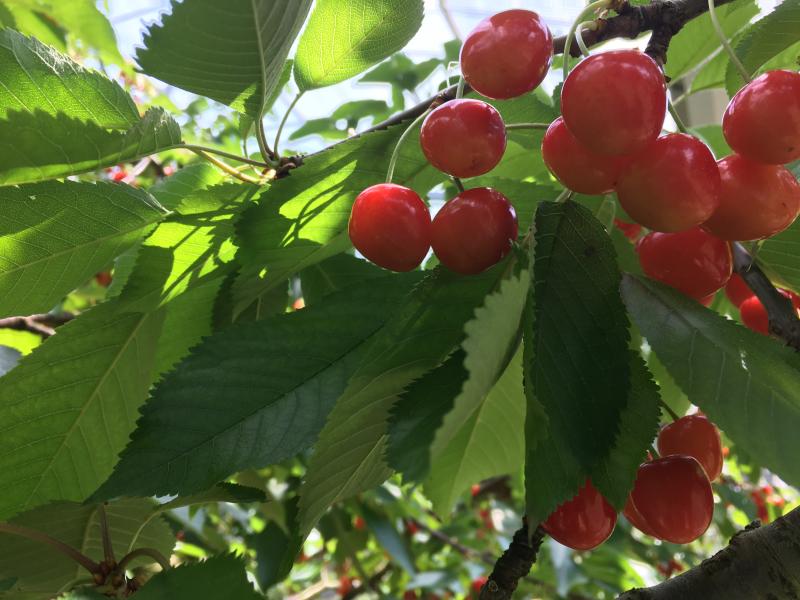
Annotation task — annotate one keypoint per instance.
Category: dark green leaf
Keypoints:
(221, 492)
(334, 274)
(218, 578)
(388, 537)
(780, 255)
(234, 54)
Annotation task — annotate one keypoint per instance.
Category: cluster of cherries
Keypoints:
(505, 56)
(671, 500)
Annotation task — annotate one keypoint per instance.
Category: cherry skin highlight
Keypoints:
(584, 522)
(671, 185)
(474, 231)
(694, 262)
(757, 200)
(762, 121)
(674, 498)
(391, 226)
(695, 436)
(507, 54)
(737, 290)
(575, 166)
(615, 102)
(464, 138)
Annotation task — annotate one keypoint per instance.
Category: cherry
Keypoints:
(672, 185)
(762, 122)
(693, 261)
(673, 496)
(696, 436)
(737, 290)
(391, 226)
(754, 314)
(635, 519)
(464, 138)
(507, 54)
(584, 522)
(577, 167)
(632, 231)
(477, 584)
(359, 523)
(103, 278)
(757, 200)
(345, 585)
(615, 102)
(474, 230)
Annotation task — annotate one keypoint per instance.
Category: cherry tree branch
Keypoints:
(43, 324)
(759, 562)
(514, 564)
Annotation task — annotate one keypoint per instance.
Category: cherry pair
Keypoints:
(391, 226)
(671, 499)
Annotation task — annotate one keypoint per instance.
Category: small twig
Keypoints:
(514, 564)
(783, 320)
(149, 552)
(458, 184)
(80, 558)
(108, 548)
(43, 324)
(371, 584)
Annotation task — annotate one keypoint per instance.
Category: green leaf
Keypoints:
(301, 220)
(336, 273)
(68, 408)
(401, 71)
(55, 235)
(580, 338)
(38, 146)
(491, 341)
(390, 540)
(419, 413)
(277, 546)
(491, 442)
(178, 188)
(697, 40)
(221, 492)
(746, 383)
(414, 341)
(780, 256)
(233, 54)
(22, 18)
(218, 577)
(345, 37)
(37, 78)
(258, 394)
(763, 40)
(41, 571)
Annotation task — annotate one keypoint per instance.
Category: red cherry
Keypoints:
(584, 522)
(695, 436)
(475, 489)
(345, 585)
(477, 584)
(635, 519)
(119, 175)
(507, 54)
(693, 261)
(391, 226)
(474, 230)
(708, 300)
(298, 304)
(762, 122)
(615, 102)
(754, 315)
(673, 496)
(672, 185)
(410, 595)
(577, 167)
(757, 200)
(629, 230)
(359, 524)
(737, 290)
(103, 278)
(464, 138)
(411, 527)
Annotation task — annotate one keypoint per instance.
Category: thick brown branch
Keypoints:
(43, 325)
(760, 562)
(514, 564)
(783, 321)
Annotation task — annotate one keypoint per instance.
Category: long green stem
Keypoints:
(594, 6)
(712, 11)
(80, 558)
(513, 126)
(678, 121)
(460, 88)
(579, 40)
(396, 152)
(283, 123)
(230, 155)
(669, 411)
(225, 167)
(149, 552)
(261, 138)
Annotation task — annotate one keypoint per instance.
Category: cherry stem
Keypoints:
(149, 552)
(565, 196)
(513, 126)
(283, 123)
(594, 6)
(677, 118)
(80, 558)
(108, 548)
(396, 152)
(669, 410)
(230, 155)
(654, 452)
(458, 184)
(712, 11)
(579, 38)
(460, 88)
(224, 166)
(261, 138)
